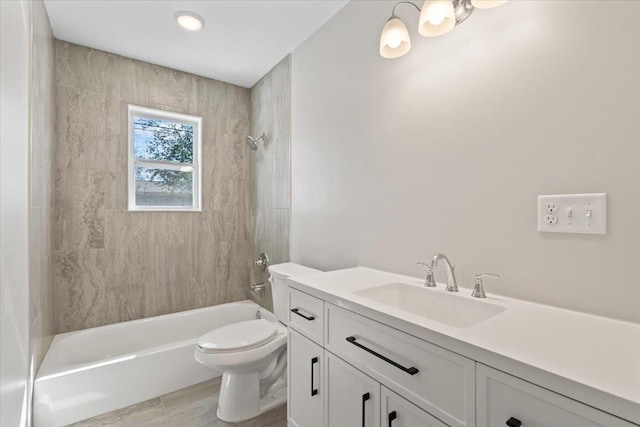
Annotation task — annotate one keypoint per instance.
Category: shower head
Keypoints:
(253, 142)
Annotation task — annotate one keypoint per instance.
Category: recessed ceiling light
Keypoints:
(189, 20)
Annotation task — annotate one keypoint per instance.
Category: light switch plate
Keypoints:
(573, 213)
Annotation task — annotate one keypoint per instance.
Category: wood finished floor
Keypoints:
(193, 406)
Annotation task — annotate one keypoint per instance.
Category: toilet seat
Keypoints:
(245, 335)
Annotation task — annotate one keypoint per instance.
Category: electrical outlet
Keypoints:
(573, 213)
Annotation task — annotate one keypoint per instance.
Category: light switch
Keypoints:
(584, 213)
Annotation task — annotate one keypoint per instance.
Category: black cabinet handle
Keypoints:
(411, 371)
(392, 416)
(295, 310)
(365, 397)
(314, 390)
(514, 422)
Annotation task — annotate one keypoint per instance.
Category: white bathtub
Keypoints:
(89, 372)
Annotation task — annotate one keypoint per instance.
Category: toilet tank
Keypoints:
(278, 275)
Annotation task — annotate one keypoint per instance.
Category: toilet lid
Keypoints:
(238, 336)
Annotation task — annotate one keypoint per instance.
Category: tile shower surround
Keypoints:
(270, 173)
(111, 265)
(41, 287)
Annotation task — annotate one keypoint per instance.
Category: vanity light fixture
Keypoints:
(437, 17)
(189, 20)
(487, 4)
(395, 40)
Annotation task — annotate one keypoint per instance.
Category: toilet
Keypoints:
(252, 355)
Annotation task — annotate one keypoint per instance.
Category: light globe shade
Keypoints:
(437, 18)
(394, 40)
(189, 20)
(487, 4)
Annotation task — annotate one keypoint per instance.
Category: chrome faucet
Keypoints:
(430, 281)
(478, 289)
(452, 284)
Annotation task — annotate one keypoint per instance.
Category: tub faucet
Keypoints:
(452, 284)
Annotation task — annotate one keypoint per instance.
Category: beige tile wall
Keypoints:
(112, 265)
(270, 172)
(40, 229)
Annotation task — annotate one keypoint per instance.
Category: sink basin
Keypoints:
(432, 304)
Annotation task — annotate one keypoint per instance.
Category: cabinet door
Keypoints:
(306, 393)
(399, 412)
(353, 398)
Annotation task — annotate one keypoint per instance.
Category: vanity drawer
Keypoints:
(306, 315)
(436, 380)
(504, 400)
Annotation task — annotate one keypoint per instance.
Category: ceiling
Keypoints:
(240, 42)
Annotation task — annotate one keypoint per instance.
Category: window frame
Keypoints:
(152, 113)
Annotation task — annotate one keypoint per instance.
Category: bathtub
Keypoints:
(89, 372)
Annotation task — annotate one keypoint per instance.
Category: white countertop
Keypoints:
(594, 360)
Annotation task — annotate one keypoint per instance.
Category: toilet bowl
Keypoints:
(252, 354)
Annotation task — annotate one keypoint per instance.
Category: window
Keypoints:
(164, 161)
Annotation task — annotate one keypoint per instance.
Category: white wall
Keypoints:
(14, 212)
(446, 149)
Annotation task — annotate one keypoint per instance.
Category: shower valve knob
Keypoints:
(262, 262)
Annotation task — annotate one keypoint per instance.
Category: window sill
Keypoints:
(163, 210)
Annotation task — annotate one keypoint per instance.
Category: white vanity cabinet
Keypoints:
(437, 380)
(342, 384)
(348, 370)
(504, 400)
(306, 391)
(355, 399)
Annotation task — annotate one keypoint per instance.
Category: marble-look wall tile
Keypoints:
(113, 265)
(281, 98)
(80, 277)
(230, 211)
(35, 261)
(39, 343)
(124, 302)
(278, 241)
(270, 174)
(282, 172)
(127, 248)
(170, 88)
(80, 129)
(79, 209)
(87, 69)
(42, 114)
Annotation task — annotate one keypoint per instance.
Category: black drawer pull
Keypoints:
(514, 422)
(392, 416)
(295, 310)
(314, 390)
(365, 397)
(411, 371)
